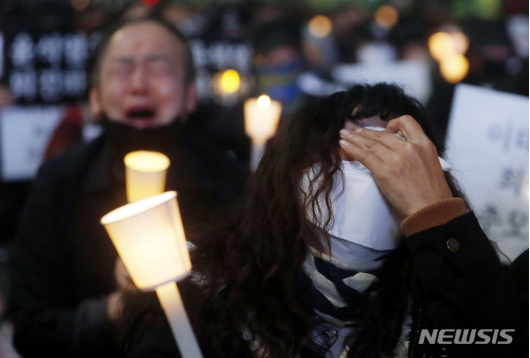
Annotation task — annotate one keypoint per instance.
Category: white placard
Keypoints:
(487, 147)
(413, 76)
(24, 135)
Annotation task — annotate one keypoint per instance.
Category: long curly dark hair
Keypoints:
(245, 288)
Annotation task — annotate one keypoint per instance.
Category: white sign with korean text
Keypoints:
(487, 147)
(24, 135)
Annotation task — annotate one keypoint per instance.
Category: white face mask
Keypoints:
(361, 214)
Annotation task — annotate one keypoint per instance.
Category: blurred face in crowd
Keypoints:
(142, 77)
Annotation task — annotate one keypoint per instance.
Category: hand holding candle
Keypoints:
(261, 120)
(149, 237)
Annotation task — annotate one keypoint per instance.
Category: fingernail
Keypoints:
(345, 132)
(358, 130)
(344, 143)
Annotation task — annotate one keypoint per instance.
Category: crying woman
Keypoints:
(352, 239)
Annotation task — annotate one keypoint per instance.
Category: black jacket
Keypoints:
(62, 261)
(466, 288)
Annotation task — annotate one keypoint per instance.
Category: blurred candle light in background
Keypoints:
(145, 174)
(230, 81)
(149, 237)
(320, 26)
(440, 45)
(229, 87)
(448, 48)
(443, 44)
(386, 16)
(80, 5)
(460, 42)
(264, 102)
(454, 68)
(261, 120)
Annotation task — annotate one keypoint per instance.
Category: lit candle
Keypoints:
(454, 68)
(261, 120)
(149, 238)
(145, 174)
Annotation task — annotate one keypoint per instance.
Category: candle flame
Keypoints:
(264, 102)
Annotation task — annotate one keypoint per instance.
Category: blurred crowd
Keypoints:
(287, 50)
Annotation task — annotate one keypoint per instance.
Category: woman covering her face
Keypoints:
(352, 241)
